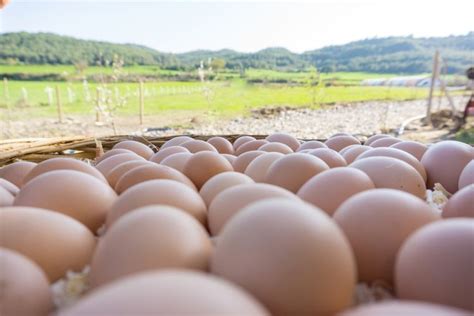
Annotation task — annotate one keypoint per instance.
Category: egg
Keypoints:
(72, 193)
(331, 157)
(175, 141)
(436, 264)
(276, 147)
(241, 162)
(166, 192)
(116, 173)
(284, 138)
(111, 153)
(56, 242)
(397, 154)
(467, 176)
(222, 145)
(391, 173)
(10, 187)
(62, 164)
(137, 147)
(25, 287)
(312, 144)
(177, 161)
(416, 149)
(204, 165)
(293, 170)
(106, 165)
(402, 307)
(231, 200)
(375, 137)
(290, 256)
(340, 134)
(220, 182)
(250, 146)
(377, 222)
(150, 172)
(339, 142)
(16, 172)
(166, 152)
(385, 142)
(461, 204)
(345, 149)
(150, 238)
(230, 158)
(258, 167)
(6, 198)
(168, 292)
(352, 153)
(195, 146)
(329, 189)
(444, 162)
(242, 140)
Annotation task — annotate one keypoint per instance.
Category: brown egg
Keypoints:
(106, 165)
(139, 148)
(284, 138)
(352, 153)
(62, 164)
(150, 172)
(220, 182)
(461, 204)
(339, 142)
(258, 167)
(391, 173)
(250, 146)
(385, 142)
(231, 200)
(373, 138)
(16, 172)
(330, 188)
(467, 175)
(222, 145)
(10, 187)
(166, 192)
(414, 148)
(445, 161)
(111, 153)
(25, 287)
(177, 161)
(397, 154)
(293, 170)
(275, 245)
(331, 157)
(204, 165)
(230, 158)
(241, 162)
(72, 193)
(168, 292)
(150, 238)
(56, 242)
(116, 173)
(436, 264)
(6, 198)
(312, 144)
(377, 222)
(402, 307)
(166, 152)
(195, 146)
(345, 149)
(176, 141)
(242, 140)
(276, 147)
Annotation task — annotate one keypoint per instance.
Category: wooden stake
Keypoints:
(434, 77)
(98, 115)
(59, 104)
(142, 102)
(5, 89)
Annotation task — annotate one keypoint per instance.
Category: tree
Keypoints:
(217, 64)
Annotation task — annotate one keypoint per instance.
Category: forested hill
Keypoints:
(390, 55)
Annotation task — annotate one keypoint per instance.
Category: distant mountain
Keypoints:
(405, 55)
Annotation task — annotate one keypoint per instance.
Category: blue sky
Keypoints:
(245, 25)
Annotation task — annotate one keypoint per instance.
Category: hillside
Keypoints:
(405, 55)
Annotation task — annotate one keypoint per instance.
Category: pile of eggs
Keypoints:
(257, 227)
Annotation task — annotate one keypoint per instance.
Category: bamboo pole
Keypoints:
(142, 101)
(434, 77)
(59, 104)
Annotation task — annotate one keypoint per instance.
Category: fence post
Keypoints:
(434, 77)
(5, 93)
(142, 102)
(98, 115)
(59, 104)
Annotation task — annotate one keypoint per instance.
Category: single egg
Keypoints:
(231, 200)
(258, 167)
(10, 187)
(242, 140)
(241, 162)
(436, 264)
(403, 307)
(220, 182)
(385, 142)
(345, 149)
(276, 147)
(195, 146)
(111, 153)
(351, 154)
(230, 158)
(416, 149)
(222, 145)
(339, 142)
(275, 245)
(106, 165)
(139, 148)
(175, 141)
(177, 161)
(25, 287)
(467, 175)
(204, 165)
(391, 173)
(312, 144)
(377, 222)
(293, 170)
(166, 152)
(56, 242)
(284, 138)
(116, 173)
(331, 157)
(250, 146)
(329, 189)
(461, 204)
(375, 137)
(150, 238)
(16, 172)
(6, 198)
(166, 192)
